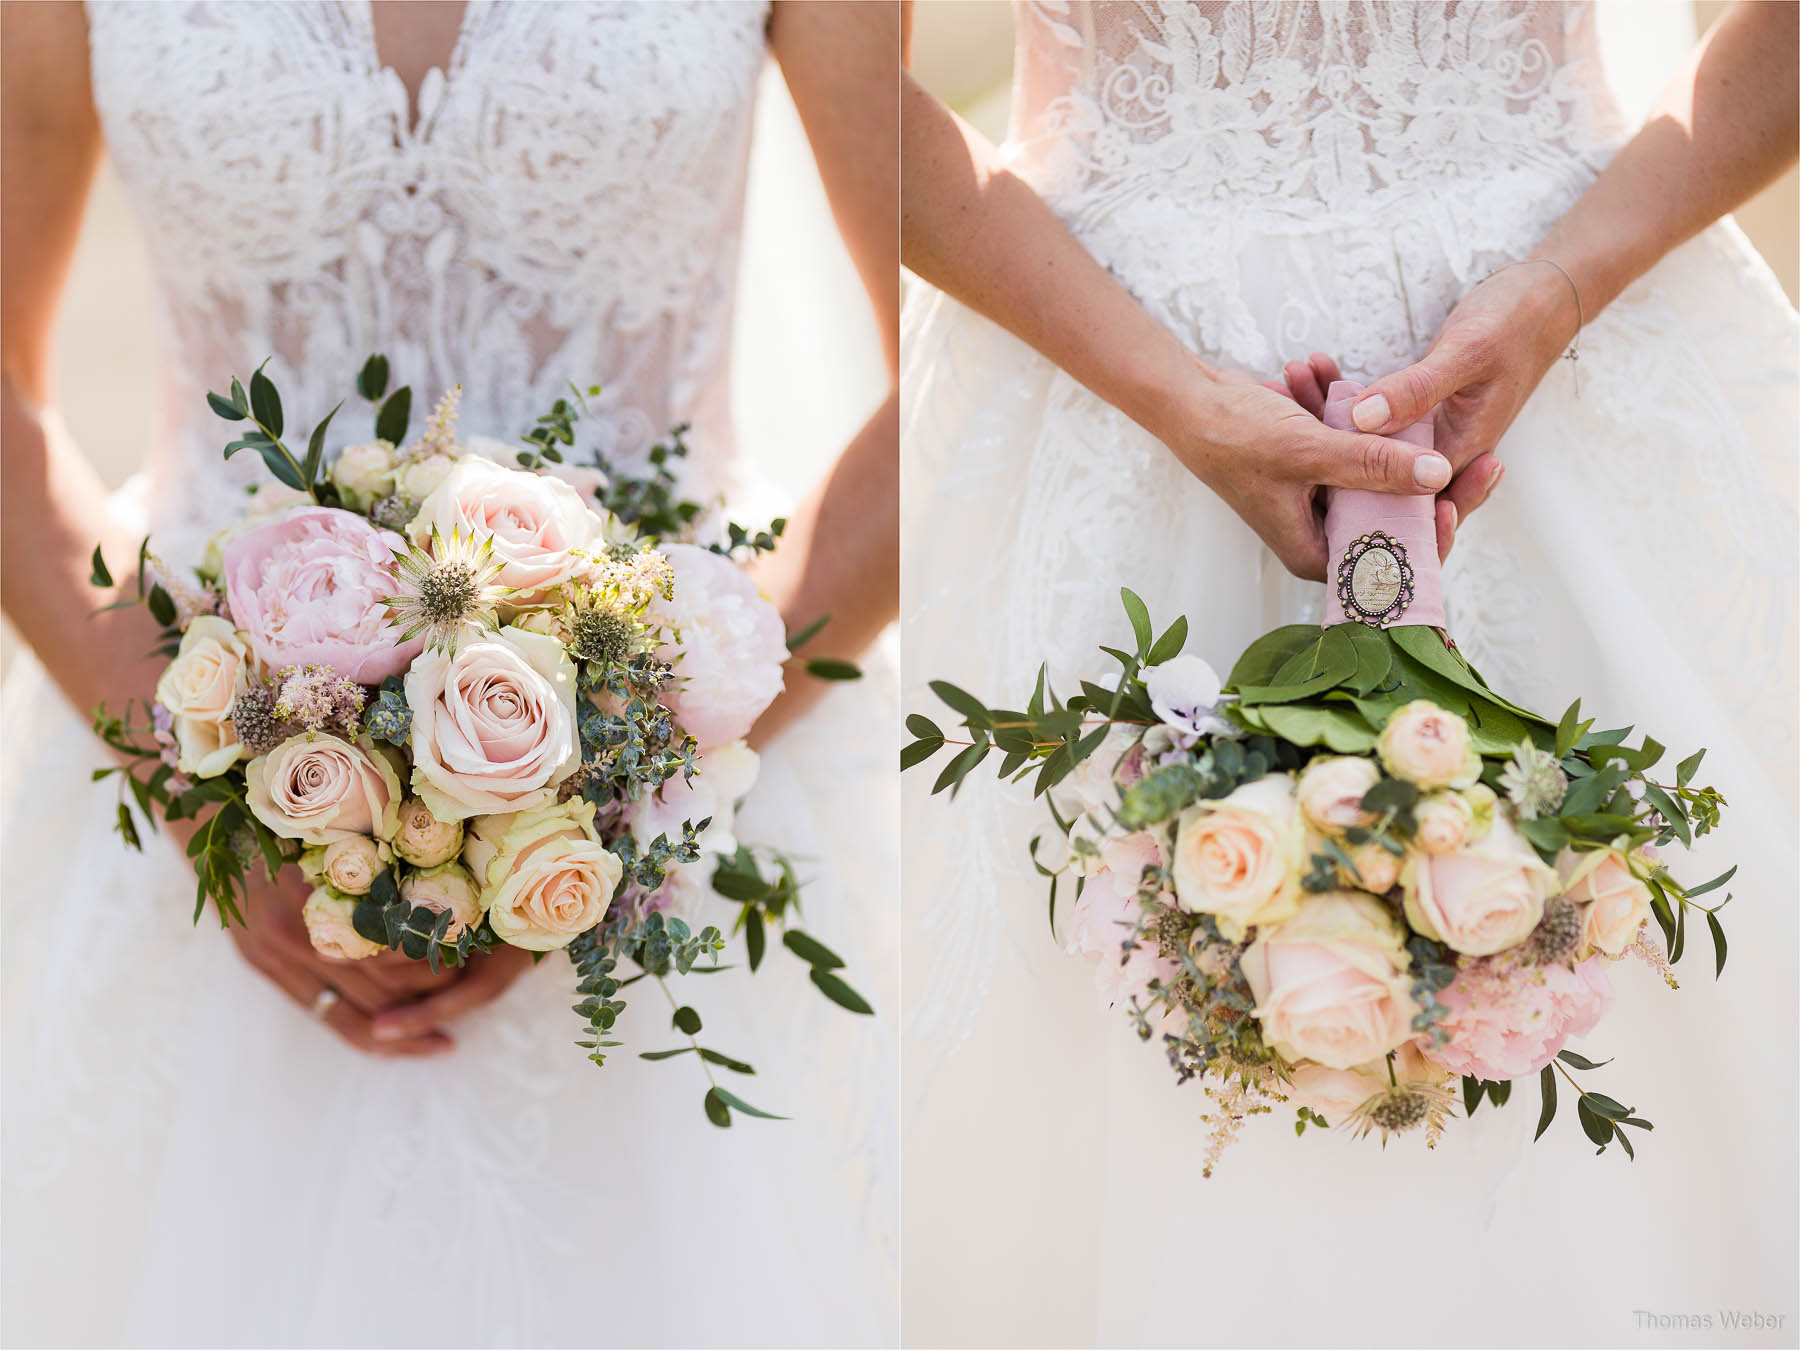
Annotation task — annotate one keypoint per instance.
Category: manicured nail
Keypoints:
(1431, 471)
(1371, 414)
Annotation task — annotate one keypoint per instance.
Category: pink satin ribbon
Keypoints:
(1380, 545)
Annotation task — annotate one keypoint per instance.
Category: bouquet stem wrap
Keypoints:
(1383, 568)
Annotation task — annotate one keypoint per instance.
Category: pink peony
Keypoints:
(308, 588)
(731, 646)
(1509, 1021)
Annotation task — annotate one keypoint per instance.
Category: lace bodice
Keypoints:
(567, 207)
(1420, 134)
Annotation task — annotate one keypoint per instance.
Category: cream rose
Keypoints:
(448, 886)
(1482, 899)
(1331, 790)
(424, 840)
(418, 479)
(328, 918)
(350, 865)
(203, 681)
(535, 523)
(1240, 858)
(493, 727)
(545, 878)
(1616, 899)
(1331, 982)
(363, 473)
(319, 788)
(1429, 747)
(1445, 821)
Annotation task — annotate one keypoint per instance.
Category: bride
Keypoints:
(1438, 199)
(203, 1146)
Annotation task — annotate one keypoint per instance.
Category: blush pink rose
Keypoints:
(1331, 983)
(1429, 747)
(1509, 1021)
(307, 588)
(320, 788)
(533, 520)
(1616, 899)
(1485, 897)
(493, 727)
(731, 647)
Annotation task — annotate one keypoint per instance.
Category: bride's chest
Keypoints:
(550, 126)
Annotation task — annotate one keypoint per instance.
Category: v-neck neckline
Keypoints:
(417, 110)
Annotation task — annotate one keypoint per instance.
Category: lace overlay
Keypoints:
(558, 212)
(1270, 180)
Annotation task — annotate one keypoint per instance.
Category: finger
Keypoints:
(1325, 370)
(343, 1017)
(1446, 527)
(1276, 386)
(485, 982)
(1406, 396)
(1347, 459)
(1475, 484)
(1305, 386)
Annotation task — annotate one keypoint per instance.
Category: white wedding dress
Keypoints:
(1270, 180)
(190, 1159)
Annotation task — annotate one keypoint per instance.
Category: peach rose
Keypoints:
(448, 886)
(1445, 821)
(1331, 790)
(1240, 858)
(1483, 898)
(424, 840)
(1377, 870)
(545, 876)
(350, 865)
(1428, 747)
(199, 687)
(1331, 982)
(493, 727)
(534, 521)
(1616, 899)
(328, 919)
(318, 788)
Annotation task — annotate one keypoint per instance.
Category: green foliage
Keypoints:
(261, 407)
(772, 903)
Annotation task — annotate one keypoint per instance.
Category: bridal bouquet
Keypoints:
(1350, 873)
(474, 703)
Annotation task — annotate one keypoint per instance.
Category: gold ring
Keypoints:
(324, 1002)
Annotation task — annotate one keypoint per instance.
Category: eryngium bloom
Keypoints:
(447, 591)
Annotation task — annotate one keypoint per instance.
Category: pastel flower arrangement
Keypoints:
(1349, 875)
(475, 704)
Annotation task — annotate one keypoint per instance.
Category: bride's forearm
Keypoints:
(838, 557)
(1724, 128)
(978, 232)
(52, 514)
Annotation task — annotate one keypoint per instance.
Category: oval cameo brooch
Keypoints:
(1375, 582)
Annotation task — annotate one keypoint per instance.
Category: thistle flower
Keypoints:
(603, 628)
(255, 721)
(1534, 782)
(446, 590)
(1558, 934)
(1400, 1107)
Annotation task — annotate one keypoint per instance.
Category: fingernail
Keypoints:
(1455, 517)
(1431, 471)
(387, 1031)
(1371, 414)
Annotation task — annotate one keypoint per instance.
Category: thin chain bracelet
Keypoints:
(1573, 354)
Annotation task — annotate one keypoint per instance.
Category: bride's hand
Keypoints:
(1485, 361)
(1267, 457)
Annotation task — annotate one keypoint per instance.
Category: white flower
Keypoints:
(1185, 693)
(199, 689)
(364, 472)
(728, 659)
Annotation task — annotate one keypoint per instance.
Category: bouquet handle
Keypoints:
(1383, 569)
